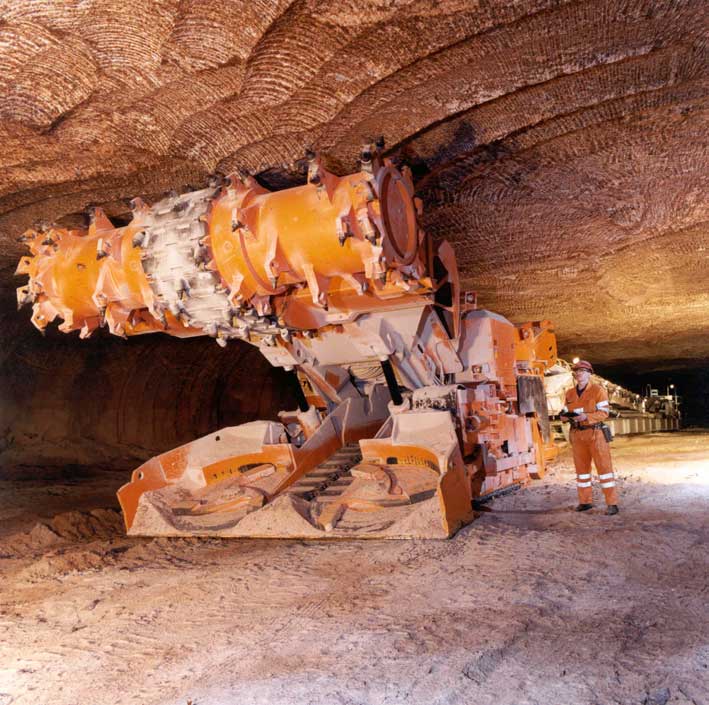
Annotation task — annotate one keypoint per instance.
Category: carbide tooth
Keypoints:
(199, 254)
(184, 318)
(23, 265)
(102, 248)
(39, 321)
(182, 289)
(27, 236)
(365, 158)
(23, 296)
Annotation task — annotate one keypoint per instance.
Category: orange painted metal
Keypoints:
(348, 242)
(293, 272)
(89, 278)
(536, 345)
(263, 241)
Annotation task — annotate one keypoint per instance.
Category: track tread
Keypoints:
(328, 480)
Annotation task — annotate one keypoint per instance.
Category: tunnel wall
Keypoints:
(109, 400)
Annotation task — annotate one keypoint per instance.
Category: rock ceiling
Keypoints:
(561, 146)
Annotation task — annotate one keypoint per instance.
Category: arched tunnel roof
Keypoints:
(562, 147)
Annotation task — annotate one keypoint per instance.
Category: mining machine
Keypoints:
(413, 403)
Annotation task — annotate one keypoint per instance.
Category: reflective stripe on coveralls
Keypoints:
(607, 480)
(587, 446)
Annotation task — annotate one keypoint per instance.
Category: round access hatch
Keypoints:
(398, 214)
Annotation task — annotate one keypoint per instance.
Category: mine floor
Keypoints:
(532, 603)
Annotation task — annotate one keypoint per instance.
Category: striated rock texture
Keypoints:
(562, 146)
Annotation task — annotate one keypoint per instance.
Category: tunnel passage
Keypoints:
(561, 147)
(120, 401)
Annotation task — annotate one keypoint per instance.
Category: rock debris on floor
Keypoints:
(532, 603)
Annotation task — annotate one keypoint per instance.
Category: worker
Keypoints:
(586, 408)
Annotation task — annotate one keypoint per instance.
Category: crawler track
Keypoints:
(329, 479)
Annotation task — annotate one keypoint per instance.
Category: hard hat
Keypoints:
(583, 365)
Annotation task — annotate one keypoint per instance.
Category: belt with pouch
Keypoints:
(588, 428)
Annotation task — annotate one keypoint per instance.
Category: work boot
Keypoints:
(612, 509)
(586, 507)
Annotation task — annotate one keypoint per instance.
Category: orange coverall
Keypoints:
(589, 444)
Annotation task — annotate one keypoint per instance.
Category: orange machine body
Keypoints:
(413, 402)
(352, 242)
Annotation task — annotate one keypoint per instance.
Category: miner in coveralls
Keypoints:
(589, 402)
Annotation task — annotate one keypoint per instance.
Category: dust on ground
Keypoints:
(532, 603)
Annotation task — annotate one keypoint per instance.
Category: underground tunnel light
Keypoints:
(575, 360)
